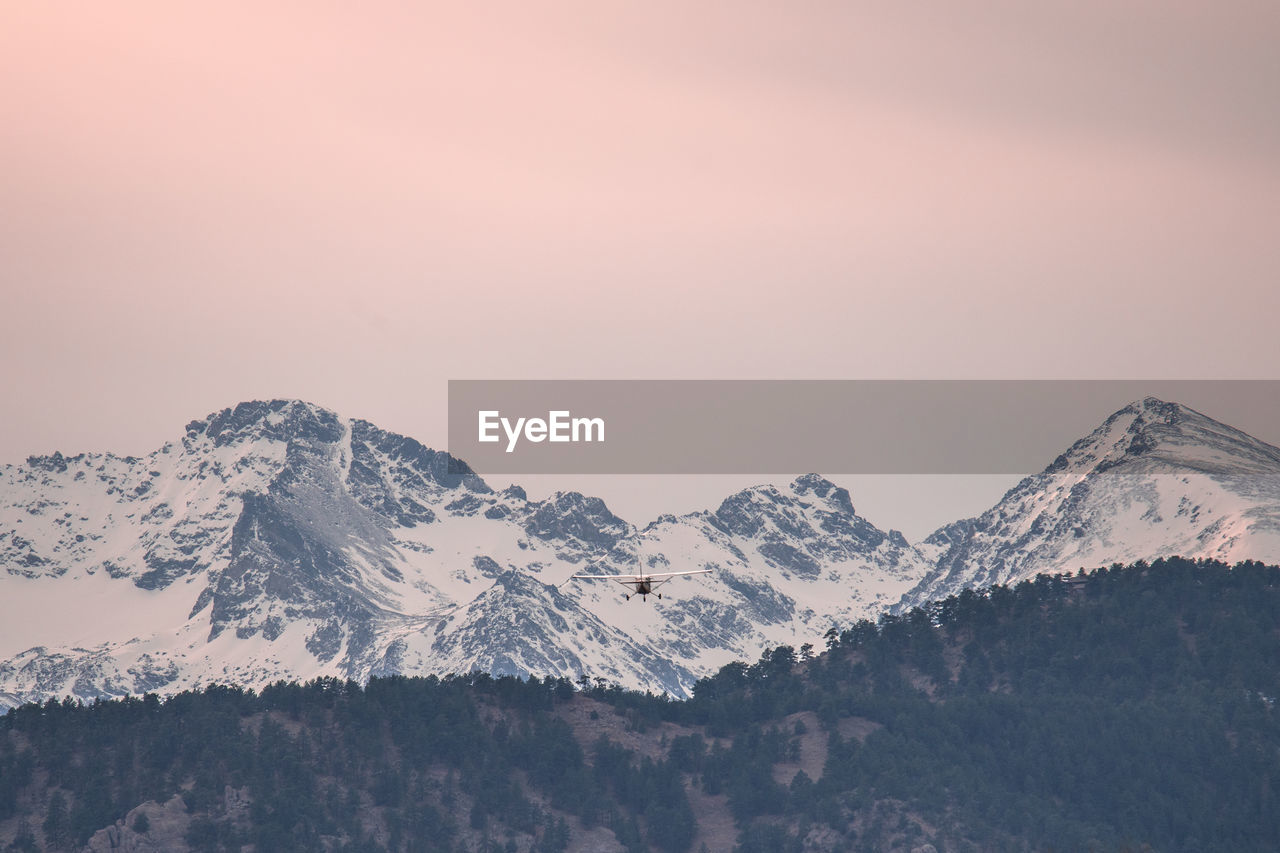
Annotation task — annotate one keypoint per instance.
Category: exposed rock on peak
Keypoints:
(276, 420)
(1155, 479)
(836, 497)
(574, 517)
(1152, 430)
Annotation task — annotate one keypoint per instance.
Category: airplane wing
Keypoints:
(637, 578)
(678, 574)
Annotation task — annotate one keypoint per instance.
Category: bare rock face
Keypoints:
(822, 839)
(595, 840)
(235, 802)
(166, 829)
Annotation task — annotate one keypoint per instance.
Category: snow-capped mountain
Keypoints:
(279, 540)
(1156, 479)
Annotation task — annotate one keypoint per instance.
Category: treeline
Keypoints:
(1131, 708)
(419, 764)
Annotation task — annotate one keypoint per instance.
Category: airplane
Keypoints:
(642, 585)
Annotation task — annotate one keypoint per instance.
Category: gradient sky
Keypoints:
(207, 203)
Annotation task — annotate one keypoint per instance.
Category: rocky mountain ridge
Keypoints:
(1155, 479)
(279, 540)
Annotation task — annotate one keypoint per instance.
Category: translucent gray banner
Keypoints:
(827, 426)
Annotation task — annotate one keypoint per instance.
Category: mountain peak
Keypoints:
(835, 496)
(1153, 412)
(1158, 431)
(280, 420)
(575, 516)
(1155, 479)
(1156, 405)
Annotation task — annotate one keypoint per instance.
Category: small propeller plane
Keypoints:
(641, 585)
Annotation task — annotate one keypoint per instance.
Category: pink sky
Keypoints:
(353, 205)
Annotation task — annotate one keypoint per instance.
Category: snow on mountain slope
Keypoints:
(278, 540)
(1155, 479)
(787, 565)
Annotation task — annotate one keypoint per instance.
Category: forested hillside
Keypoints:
(1130, 708)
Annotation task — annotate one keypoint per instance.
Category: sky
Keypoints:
(209, 203)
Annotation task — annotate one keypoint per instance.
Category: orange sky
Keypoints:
(216, 202)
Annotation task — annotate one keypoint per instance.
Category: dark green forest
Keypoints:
(1132, 708)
